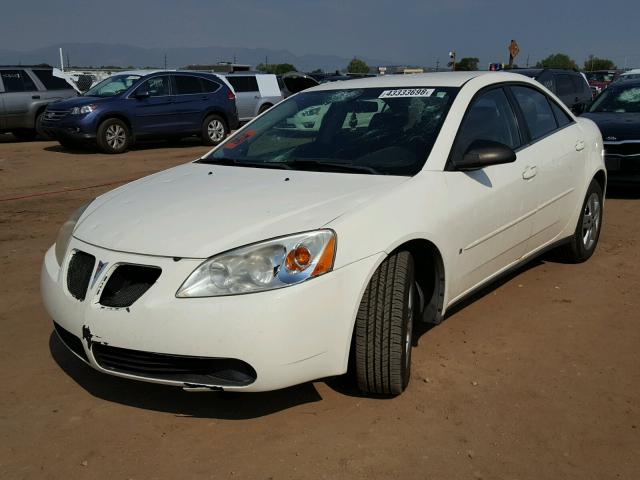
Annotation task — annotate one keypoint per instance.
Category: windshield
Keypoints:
(111, 86)
(619, 100)
(371, 130)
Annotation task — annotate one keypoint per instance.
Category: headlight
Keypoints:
(64, 235)
(263, 266)
(84, 109)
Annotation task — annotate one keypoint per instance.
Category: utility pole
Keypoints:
(437, 64)
(165, 60)
(527, 60)
(68, 61)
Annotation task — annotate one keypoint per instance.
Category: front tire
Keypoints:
(585, 238)
(113, 136)
(384, 328)
(214, 130)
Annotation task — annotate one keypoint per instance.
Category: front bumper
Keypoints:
(287, 336)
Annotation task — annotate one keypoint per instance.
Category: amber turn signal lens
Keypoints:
(326, 259)
(298, 259)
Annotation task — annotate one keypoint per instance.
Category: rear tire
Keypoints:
(113, 136)
(384, 328)
(585, 238)
(214, 130)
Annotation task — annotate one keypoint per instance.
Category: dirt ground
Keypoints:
(537, 378)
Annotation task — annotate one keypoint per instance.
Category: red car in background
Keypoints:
(600, 79)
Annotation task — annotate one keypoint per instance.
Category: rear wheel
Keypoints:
(214, 130)
(113, 136)
(585, 238)
(384, 328)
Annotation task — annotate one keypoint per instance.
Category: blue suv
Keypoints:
(125, 107)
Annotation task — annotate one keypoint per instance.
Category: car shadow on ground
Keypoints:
(138, 146)
(162, 398)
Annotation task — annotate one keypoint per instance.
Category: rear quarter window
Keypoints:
(17, 81)
(50, 82)
(209, 86)
(243, 84)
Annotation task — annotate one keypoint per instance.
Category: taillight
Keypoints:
(230, 95)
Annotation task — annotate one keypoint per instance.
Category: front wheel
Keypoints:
(585, 238)
(384, 328)
(113, 136)
(214, 130)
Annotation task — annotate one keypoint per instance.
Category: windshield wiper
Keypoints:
(243, 163)
(333, 166)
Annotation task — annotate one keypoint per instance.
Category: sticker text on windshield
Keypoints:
(407, 92)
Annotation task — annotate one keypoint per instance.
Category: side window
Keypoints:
(537, 111)
(561, 117)
(564, 85)
(156, 86)
(50, 82)
(209, 86)
(187, 85)
(243, 84)
(491, 118)
(546, 79)
(17, 81)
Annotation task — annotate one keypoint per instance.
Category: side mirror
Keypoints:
(483, 153)
(579, 108)
(142, 94)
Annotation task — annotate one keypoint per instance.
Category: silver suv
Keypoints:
(25, 93)
(255, 93)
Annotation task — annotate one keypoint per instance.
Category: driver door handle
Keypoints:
(580, 145)
(529, 173)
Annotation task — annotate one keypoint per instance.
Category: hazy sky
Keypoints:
(406, 31)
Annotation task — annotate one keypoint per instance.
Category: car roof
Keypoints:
(633, 71)
(633, 83)
(434, 79)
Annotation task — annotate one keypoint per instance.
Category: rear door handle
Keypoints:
(580, 145)
(529, 173)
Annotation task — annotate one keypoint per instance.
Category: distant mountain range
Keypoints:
(99, 54)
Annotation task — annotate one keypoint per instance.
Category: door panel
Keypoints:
(495, 219)
(493, 206)
(555, 153)
(189, 101)
(154, 115)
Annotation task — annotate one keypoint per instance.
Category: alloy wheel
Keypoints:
(215, 130)
(115, 136)
(591, 221)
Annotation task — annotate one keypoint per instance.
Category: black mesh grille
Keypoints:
(79, 273)
(186, 369)
(72, 342)
(127, 284)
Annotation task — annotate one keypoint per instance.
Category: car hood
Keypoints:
(69, 103)
(197, 210)
(616, 127)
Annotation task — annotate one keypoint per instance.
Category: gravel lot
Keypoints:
(536, 378)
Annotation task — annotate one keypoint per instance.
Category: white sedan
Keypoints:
(287, 251)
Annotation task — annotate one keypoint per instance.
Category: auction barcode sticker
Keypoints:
(408, 92)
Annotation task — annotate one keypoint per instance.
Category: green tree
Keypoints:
(467, 64)
(275, 68)
(357, 66)
(556, 60)
(594, 63)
